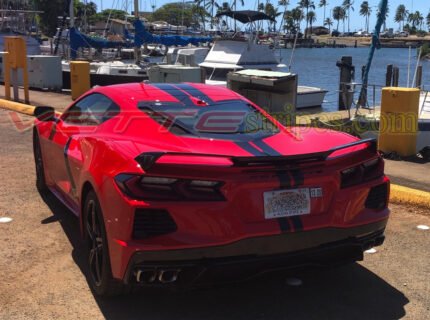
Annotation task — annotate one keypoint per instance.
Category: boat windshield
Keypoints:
(221, 120)
(218, 73)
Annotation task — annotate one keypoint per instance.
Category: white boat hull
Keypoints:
(308, 97)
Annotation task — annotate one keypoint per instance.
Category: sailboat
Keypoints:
(115, 72)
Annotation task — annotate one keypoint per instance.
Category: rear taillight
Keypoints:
(366, 171)
(169, 189)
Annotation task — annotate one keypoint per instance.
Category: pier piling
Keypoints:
(347, 71)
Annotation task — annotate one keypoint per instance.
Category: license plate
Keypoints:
(287, 203)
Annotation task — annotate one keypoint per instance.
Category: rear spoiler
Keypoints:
(148, 159)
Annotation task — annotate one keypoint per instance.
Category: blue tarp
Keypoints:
(142, 36)
(80, 40)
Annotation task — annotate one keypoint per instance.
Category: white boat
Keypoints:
(229, 55)
(309, 97)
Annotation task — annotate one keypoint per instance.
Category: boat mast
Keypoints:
(136, 15)
(72, 13)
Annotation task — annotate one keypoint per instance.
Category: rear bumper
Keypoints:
(250, 257)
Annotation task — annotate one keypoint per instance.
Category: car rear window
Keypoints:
(225, 119)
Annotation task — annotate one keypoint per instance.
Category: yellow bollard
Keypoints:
(16, 59)
(79, 78)
(398, 126)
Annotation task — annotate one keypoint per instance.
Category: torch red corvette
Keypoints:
(188, 184)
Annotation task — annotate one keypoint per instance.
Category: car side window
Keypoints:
(91, 110)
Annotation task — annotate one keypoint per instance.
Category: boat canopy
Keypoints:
(142, 36)
(245, 16)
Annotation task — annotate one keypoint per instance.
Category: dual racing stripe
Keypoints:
(287, 179)
(183, 92)
(176, 92)
(290, 179)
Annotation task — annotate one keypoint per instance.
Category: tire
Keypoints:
(38, 161)
(97, 252)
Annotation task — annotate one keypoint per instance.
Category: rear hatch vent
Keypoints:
(152, 222)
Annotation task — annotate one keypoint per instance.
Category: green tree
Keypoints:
(338, 14)
(283, 3)
(297, 16)
(416, 19)
(52, 9)
(428, 21)
(347, 6)
(401, 16)
(328, 22)
(308, 5)
(173, 13)
(365, 11)
(311, 17)
(323, 4)
(110, 13)
(272, 12)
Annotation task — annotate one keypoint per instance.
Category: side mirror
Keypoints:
(44, 113)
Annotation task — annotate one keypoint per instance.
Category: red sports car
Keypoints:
(189, 184)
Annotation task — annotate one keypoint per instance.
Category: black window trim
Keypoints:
(65, 114)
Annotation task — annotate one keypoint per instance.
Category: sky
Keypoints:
(356, 21)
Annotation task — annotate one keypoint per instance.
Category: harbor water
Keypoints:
(317, 68)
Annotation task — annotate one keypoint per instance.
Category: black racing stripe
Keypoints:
(176, 92)
(298, 177)
(195, 92)
(284, 224)
(297, 223)
(266, 148)
(69, 171)
(249, 148)
(284, 179)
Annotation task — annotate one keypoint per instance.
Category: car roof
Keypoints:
(127, 96)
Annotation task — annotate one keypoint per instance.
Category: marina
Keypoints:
(249, 154)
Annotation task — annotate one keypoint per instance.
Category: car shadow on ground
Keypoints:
(348, 292)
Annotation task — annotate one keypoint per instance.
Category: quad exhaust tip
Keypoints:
(163, 276)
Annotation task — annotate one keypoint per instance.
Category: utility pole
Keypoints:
(136, 15)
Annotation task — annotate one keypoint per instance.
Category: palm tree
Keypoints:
(234, 7)
(328, 22)
(283, 3)
(428, 20)
(338, 14)
(365, 11)
(307, 4)
(347, 6)
(416, 19)
(311, 17)
(401, 15)
(323, 4)
(297, 16)
(211, 5)
(420, 18)
(273, 13)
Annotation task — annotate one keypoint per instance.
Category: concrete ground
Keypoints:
(43, 273)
